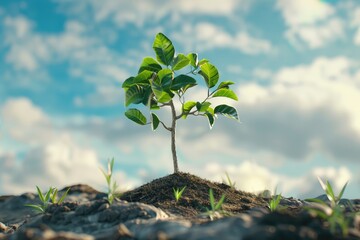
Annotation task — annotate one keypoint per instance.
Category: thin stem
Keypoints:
(173, 146)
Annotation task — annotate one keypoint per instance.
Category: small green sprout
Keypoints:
(112, 186)
(334, 200)
(216, 207)
(333, 214)
(275, 201)
(178, 193)
(229, 182)
(49, 197)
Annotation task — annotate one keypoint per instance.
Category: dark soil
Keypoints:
(195, 198)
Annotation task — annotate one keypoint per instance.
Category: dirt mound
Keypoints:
(195, 198)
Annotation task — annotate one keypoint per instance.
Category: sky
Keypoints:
(295, 66)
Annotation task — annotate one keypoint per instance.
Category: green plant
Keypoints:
(49, 197)
(334, 200)
(112, 186)
(334, 212)
(156, 87)
(216, 207)
(178, 193)
(274, 201)
(229, 182)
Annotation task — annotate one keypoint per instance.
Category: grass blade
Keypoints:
(330, 192)
(342, 191)
(212, 200)
(54, 196)
(41, 196)
(63, 196)
(221, 201)
(47, 195)
(322, 184)
(36, 207)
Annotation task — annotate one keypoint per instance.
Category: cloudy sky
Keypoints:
(295, 63)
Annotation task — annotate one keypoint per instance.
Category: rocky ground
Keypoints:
(150, 212)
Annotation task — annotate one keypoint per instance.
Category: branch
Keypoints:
(179, 116)
(164, 104)
(166, 127)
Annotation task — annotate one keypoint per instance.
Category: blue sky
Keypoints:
(295, 64)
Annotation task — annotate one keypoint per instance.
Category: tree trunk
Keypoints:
(173, 146)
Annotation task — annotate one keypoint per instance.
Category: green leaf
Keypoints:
(193, 57)
(219, 204)
(105, 175)
(187, 108)
(128, 82)
(154, 121)
(165, 77)
(227, 111)
(161, 95)
(141, 79)
(36, 207)
(212, 199)
(41, 196)
(342, 191)
(149, 64)
(64, 196)
(225, 84)
(54, 195)
(164, 49)
(147, 95)
(202, 61)
(210, 110)
(330, 192)
(111, 165)
(135, 115)
(179, 62)
(189, 105)
(315, 200)
(154, 105)
(202, 107)
(224, 92)
(47, 195)
(210, 118)
(210, 74)
(181, 82)
(135, 94)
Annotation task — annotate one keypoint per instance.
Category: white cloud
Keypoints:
(20, 26)
(311, 22)
(236, 69)
(262, 73)
(304, 12)
(253, 177)
(22, 121)
(51, 155)
(249, 176)
(30, 50)
(207, 36)
(59, 163)
(141, 11)
(103, 96)
(355, 22)
(308, 186)
(89, 59)
(308, 109)
(207, 7)
(316, 36)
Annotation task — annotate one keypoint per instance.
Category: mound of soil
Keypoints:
(195, 198)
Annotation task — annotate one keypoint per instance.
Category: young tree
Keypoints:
(155, 86)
